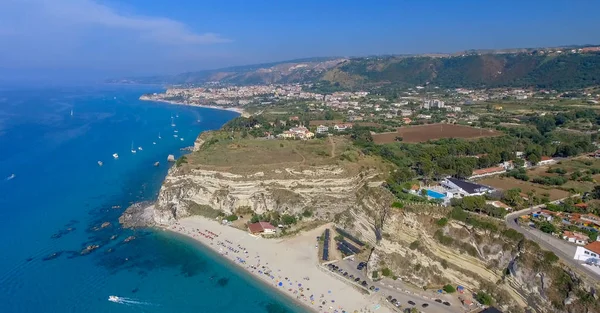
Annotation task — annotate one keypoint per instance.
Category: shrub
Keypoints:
(449, 288)
(414, 245)
(550, 257)
(231, 217)
(444, 264)
(386, 272)
(483, 298)
(442, 222)
(289, 219)
(181, 160)
(307, 213)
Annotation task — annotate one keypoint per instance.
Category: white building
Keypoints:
(342, 127)
(575, 237)
(321, 129)
(589, 253)
(462, 188)
(546, 161)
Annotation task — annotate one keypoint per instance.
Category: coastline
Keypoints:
(290, 266)
(232, 109)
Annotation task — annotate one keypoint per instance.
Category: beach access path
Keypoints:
(290, 265)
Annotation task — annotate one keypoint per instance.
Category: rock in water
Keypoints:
(89, 249)
(171, 158)
(157, 164)
(105, 224)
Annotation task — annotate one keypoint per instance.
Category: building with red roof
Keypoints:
(261, 228)
(589, 253)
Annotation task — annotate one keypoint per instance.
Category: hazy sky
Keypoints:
(139, 37)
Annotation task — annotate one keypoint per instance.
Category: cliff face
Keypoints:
(326, 190)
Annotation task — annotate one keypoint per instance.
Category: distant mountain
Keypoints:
(299, 70)
(553, 71)
(520, 68)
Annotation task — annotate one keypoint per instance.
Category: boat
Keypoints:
(11, 176)
(132, 149)
(159, 137)
(116, 156)
(176, 115)
(176, 131)
(175, 136)
(154, 142)
(181, 139)
(114, 299)
(156, 163)
(172, 122)
(140, 148)
(100, 163)
(71, 112)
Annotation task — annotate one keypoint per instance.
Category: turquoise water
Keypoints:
(435, 195)
(59, 197)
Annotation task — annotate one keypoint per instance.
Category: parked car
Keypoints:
(357, 279)
(394, 301)
(411, 302)
(372, 288)
(364, 283)
(425, 305)
(446, 303)
(438, 300)
(389, 298)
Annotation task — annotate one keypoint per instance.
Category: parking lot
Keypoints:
(393, 292)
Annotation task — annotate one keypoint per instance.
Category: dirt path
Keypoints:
(332, 147)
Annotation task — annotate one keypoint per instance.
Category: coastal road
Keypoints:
(403, 293)
(561, 248)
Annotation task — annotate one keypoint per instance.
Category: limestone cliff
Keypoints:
(327, 190)
(225, 174)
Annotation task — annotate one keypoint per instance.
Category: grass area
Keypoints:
(232, 153)
(506, 183)
(203, 210)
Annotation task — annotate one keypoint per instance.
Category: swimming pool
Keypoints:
(435, 195)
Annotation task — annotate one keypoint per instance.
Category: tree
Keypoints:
(288, 219)
(519, 163)
(449, 288)
(548, 228)
(513, 197)
(329, 115)
(595, 193)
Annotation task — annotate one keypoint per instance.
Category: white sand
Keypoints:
(216, 107)
(292, 262)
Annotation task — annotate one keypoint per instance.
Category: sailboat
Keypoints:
(71, 112)
(116, 156)
(172, 122)
(132, 149)
(159, 137)
(140, 148)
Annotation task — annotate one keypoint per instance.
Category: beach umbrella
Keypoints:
(280, 284)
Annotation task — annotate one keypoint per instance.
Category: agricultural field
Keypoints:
(506, 183)
(422, 133)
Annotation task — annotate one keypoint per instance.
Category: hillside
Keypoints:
(522, 70)
(564, 71)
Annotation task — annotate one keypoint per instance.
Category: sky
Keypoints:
(111, 38)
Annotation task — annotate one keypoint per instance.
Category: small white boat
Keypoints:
(12, 176)
(116, 156)
(71, 112)
(175, 136)
(172, 122)
(140, 148)
(159, 137)
(132, 149)
(100, 163)
(181, 139)
(176, 131)
(114, 299)
(154, 142)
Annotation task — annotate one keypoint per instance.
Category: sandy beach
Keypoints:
(289, 265)
(233, 109)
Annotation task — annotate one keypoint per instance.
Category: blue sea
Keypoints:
(54, 197)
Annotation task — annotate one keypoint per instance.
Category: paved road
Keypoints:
(397, 292)
(561, 248)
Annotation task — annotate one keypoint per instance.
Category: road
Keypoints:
(561, 248)
(404, 293)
